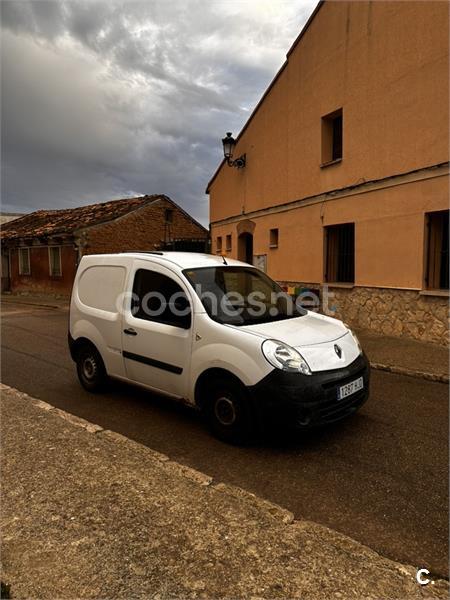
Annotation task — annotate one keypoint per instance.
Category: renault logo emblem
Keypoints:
(338, 350)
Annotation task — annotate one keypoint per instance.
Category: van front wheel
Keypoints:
(227, 411)
(91, 369)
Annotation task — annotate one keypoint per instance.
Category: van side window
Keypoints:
(158, 298)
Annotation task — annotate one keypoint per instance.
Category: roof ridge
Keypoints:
(81, 206)
(48, 222)
(149, 196)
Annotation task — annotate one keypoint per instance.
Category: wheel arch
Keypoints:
(209, 375)
(76, 345)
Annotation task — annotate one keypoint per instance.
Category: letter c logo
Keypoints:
(420, 579)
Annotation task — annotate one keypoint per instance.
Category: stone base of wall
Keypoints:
(399, 313)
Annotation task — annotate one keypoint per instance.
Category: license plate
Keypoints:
(350, 388)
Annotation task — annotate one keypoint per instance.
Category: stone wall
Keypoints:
(392, 312)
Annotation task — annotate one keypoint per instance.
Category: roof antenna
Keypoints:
(224, 260)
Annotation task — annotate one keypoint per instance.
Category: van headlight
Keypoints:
(355, 338)
(281, 356)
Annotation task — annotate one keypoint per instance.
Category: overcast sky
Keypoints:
(104, 100)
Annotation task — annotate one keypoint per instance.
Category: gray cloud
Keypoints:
(109, 99)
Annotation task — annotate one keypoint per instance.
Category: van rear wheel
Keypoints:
(227, 411)
(91, 369)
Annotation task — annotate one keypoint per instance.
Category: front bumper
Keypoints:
(304, 401)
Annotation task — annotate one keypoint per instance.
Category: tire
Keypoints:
(91, 369)
(227, 411)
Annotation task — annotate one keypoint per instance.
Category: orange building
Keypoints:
(346, 178)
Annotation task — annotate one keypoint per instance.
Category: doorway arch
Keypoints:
(245, 247)
(245, 231)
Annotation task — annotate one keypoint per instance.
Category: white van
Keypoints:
(217, 333)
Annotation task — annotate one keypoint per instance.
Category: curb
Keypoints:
(34, 304)
(439, 377)
(22, 302)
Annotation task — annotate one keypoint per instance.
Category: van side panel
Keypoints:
(95, 310)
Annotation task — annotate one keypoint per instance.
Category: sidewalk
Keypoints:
(397, 355)
(406, 356)
(87, 513)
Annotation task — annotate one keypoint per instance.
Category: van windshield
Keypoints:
(241, 295)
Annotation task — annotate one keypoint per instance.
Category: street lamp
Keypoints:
(229, 144)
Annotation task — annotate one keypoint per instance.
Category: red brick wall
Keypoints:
(142, 229)
(40, 281)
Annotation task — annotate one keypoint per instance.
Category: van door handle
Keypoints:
(130, 331)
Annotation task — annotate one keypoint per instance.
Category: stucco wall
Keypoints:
(389, 234)
(386, 65)
(390, 255)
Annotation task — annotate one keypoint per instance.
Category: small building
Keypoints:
(342, 178)
(5, 217)
(41, 250)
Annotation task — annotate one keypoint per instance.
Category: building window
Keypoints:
(273, 242)
(168, 215)
(24, 261)
(54, 261)
(437, 259)
(219, 245)
(340, 253)
(228, 243)
(332, 137)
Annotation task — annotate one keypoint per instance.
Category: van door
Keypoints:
(157, 329)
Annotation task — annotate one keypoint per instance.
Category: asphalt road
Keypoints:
(380, 477)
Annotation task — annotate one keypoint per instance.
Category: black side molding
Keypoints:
(152, 362)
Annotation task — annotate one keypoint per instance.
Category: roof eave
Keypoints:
(271, 84)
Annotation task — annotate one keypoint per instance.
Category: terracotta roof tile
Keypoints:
(53, 222)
